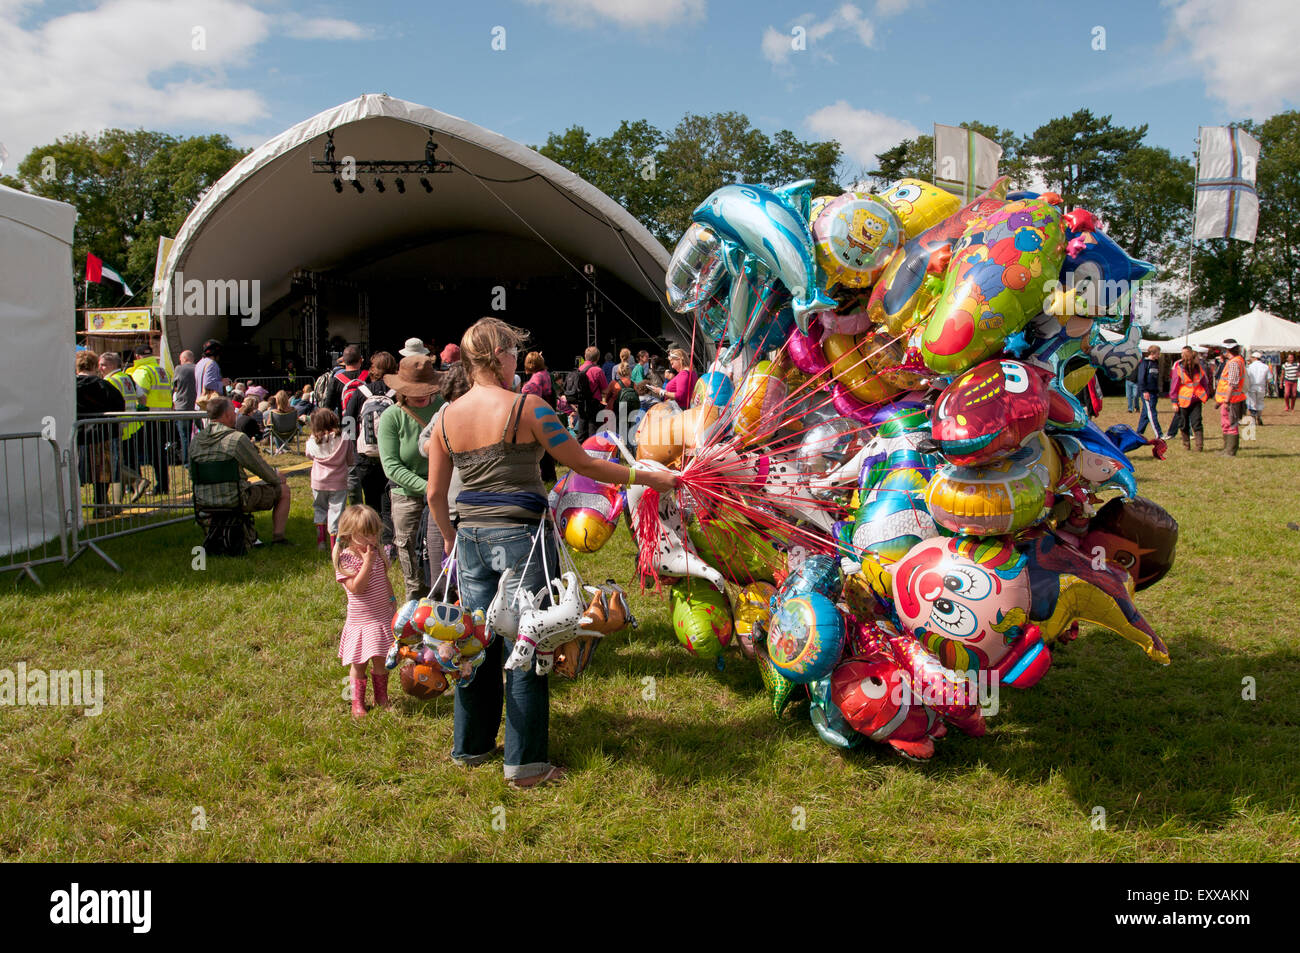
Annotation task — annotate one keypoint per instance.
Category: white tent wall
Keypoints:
(1256, 331)
(37, 323)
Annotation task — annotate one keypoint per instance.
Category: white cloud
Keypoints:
(626, 13)
(131, 63)
(862, 133)
(323, 28)
(847, 20)
(1246, 50)
(891, 8)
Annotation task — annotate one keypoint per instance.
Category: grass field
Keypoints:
(225, 735)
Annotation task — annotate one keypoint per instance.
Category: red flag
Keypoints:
(94, 269)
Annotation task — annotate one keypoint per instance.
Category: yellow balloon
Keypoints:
(761, 393)
(659, 435)
(919, 205)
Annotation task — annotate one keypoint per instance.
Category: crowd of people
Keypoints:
(1238, 388)
(418, 454)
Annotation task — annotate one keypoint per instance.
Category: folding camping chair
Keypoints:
(284, 434)
(227, 530)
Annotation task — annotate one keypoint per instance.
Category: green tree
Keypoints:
(129, 187)
(662, 177)
(1079, 154)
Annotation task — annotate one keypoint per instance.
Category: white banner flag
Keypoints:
(1227, 205)
(965, 163)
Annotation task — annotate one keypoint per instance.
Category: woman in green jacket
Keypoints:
(416, 384)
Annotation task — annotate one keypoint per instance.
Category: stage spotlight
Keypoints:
(425, 182)
(401, 186)
(379, 184)
(356, 184)
(338, 184)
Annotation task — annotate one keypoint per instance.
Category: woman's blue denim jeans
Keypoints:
(482, 554)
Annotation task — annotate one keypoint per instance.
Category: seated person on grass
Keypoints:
(220, 441)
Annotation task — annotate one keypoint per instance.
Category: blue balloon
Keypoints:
(714, 388)
(819, 573)
(827, 718)
(767, 225)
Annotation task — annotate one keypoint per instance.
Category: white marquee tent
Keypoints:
(36, 325)
(269, 216)
(1257, 331)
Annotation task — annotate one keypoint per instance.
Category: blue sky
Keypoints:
(871, 72)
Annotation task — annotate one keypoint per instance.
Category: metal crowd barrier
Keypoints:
(35, 518)
(293, 385)
(128, 473)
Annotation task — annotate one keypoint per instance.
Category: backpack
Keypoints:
(321, 388)
(577, 391)
(628, 397)
(350, 386)
(368, 421)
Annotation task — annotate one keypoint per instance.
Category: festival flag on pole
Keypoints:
(965, 163)
(97, 271)
(1227, 205)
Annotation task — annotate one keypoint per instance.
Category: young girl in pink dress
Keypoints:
(360, 565)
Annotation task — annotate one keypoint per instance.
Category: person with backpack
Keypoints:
(361, 418)
(626, 404)
(584, 392)
(344, 382)
(417, 383)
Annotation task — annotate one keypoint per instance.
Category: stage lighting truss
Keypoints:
(351, 171)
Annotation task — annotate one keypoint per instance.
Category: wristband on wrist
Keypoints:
(631, 476)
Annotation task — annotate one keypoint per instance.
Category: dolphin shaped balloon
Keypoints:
(772, 227)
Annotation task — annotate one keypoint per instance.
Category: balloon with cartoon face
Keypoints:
(1136, 535)
(805, 637)
(854, 236)
(989, 411)
(919, 204)
(963, 598)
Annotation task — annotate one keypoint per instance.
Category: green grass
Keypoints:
(224, 693)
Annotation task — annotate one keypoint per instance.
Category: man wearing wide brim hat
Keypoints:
(414, 348)
(416, 383)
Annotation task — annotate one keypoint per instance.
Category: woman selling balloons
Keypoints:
(901, 504)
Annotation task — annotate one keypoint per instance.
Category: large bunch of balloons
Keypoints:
(890, 492)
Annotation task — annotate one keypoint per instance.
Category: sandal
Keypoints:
(552, 775)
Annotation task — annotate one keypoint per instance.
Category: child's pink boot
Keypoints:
(321, 536)
(358, 696)
(379, 679)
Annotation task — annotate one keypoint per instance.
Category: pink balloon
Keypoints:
(854, 323)
(848, 405)
(806, 353)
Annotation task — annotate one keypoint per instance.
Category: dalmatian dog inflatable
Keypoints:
(542, 631)
(673, 553)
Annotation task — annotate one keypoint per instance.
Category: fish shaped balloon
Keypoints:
(770, 226)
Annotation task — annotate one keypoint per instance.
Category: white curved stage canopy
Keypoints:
(504, 222)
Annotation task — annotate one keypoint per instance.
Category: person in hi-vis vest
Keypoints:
(156, 383)
(126, 451)
(1230, 395)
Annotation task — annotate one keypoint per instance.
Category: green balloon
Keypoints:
(701, 617)
(735, 549)
(777, 685)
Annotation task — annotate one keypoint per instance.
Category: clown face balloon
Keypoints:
(959, 596)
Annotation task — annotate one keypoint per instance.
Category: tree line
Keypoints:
(129, 187)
